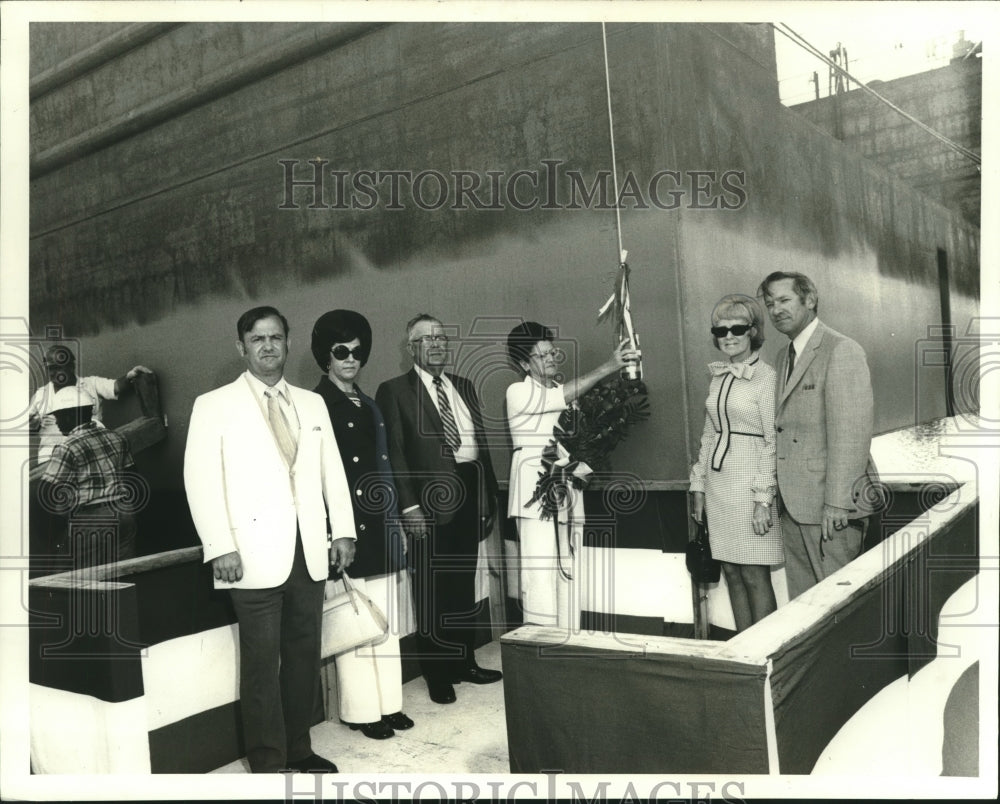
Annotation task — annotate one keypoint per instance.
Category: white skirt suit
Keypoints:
(548, 596)
(736, 462)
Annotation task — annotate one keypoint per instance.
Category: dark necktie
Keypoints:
(791, 361)
(447, 417)
(279, 426)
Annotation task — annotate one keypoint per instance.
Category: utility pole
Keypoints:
(837, 86)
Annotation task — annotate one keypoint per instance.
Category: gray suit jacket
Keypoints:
(823, 422)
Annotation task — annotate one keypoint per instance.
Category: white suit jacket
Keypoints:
(242, 495)
(824, 417)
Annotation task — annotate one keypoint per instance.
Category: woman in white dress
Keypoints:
(734, 481)
(533, 408)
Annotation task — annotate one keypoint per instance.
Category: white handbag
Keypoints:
(350, 618)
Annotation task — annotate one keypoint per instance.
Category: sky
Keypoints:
(883, 40)
(879, 46)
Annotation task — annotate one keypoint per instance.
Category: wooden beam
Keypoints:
(109, 573)
(147, 389)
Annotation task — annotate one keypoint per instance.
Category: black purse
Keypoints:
(698, 558)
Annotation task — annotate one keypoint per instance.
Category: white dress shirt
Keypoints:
(803, 337)
(467, 450)
(284, 399)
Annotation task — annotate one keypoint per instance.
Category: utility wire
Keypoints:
(801, 42)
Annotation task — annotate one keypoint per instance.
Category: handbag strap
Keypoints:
(349, 587)
(702, 534)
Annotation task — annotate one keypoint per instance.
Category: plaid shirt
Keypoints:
(92, 460)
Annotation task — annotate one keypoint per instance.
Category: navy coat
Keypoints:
(361, 438)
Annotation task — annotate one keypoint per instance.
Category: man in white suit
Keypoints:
(263, 477)
(823, 423)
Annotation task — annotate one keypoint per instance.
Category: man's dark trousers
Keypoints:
(280, 630)
(444, 576)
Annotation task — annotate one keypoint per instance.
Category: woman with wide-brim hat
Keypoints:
(369, 678)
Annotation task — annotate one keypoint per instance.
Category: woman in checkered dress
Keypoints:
(733, 483)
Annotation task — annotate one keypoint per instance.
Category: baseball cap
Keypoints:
(71, 397)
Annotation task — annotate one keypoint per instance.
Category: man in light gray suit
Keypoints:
(823, 423)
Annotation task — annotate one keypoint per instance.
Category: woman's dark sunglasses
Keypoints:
(341, 352)
(737, 330)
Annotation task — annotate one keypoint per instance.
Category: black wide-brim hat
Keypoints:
(522, 339)
(340, 326)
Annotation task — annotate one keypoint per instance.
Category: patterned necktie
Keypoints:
(447, 417)
(279, 426)
(791, 361)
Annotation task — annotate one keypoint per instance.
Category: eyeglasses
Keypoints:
(341, 352)
(555, 354)
(429, 339)
(738, 330)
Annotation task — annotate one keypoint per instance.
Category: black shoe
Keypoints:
(379, 730)
(441, 692)
(398, 721)
(312, 764)
(477, 675)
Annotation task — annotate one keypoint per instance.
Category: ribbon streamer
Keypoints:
(620, 301)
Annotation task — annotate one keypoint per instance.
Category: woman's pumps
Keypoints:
(398, 721)
(379, 730)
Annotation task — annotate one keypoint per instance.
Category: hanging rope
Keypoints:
(620, 300)
(611, 130)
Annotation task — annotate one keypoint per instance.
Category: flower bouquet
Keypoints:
(584, 437)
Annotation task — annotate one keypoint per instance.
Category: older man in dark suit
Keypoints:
(447, 498)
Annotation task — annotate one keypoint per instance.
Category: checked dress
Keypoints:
(736, 464)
